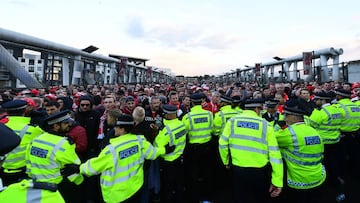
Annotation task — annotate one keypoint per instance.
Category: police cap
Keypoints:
(271, 103)
(225, 99)
(196, 97)
(169, 109)
(344, 93)
(8, 139)
(58, 117)
(296, 107)
(14, 105)
(129, 98)
(254, 102)
(124, 120)
(322, 95)
(236, 99)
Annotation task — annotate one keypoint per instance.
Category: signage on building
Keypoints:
(307, 62)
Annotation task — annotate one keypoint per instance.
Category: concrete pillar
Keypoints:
(113, 73)
(323, 62)
(65, 72)
(272, 72)
(335, 71)
(295, 72)
(77, 71)
(287, 70)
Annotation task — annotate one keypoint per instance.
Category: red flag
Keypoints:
(307, 62)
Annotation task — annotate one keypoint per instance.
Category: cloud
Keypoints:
(135, 28)
(181, 37)
(20, 3)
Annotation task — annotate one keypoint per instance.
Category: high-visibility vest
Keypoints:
(198, 123)
(24, 192)
(302, 148)
(121, 166)
(327, 122)
(46, 156)
(173, 133)
(21, 126)
(351, 112)
(221, 117)
(250, 141)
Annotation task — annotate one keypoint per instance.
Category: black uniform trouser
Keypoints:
(350, 154)
(332, 162)
(313, 195)
(135, 198)
(70, 191)
(10, 178)
(172, 181)
(251, 185)
(198, 159)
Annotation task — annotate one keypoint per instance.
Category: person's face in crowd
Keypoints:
(266, 92)
(337, 86)
(280, 87)
(273, 109)
(110, 120)
(186, 101)
(130, 104)
(62, 127)
(85, 105)
(50, 110)
(109, 103)
(327, 86)
(317, 90)
(272, 88)
(174, 99)
(319, 102)
(107, 92)
(280, 98)
(347, 87)
(216, 99)
(61, 102)
(305, 94)
(95, 91)
(155, 104)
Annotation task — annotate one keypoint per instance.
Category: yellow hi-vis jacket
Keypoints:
(327, 122)
(21, 126)
(351, 112)
(121, 166)
(198, 123)
(173, 133)
(250, 141)
(46, 156)
(24, 192)
(221, 117)
(302, 148)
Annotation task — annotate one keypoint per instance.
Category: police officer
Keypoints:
(271, 114)
(327, 120)
(172, 174)
(226, 112)
(248, 146)
(30, 191)
(349, 141)
(14, 166)
(48, 153)
(236, 103)
(302, 149)
(121, 163)
(198, 123)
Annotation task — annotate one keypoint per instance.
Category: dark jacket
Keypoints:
(90, 120)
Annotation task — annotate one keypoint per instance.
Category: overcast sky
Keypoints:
(192, 36)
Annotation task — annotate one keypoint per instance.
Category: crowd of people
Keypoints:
(181, 142)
